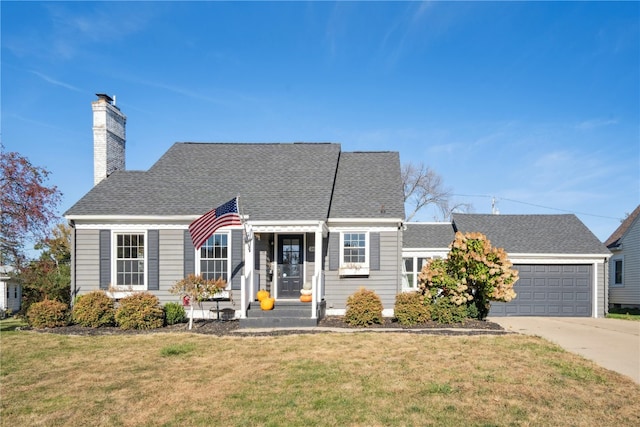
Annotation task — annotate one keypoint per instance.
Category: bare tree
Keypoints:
(423, 187)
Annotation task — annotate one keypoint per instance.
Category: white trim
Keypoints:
(612, 275)
(595, 290)
(355, 268)
(114, 260)
(287, 228)
(362, 227)
(128, 226)
(365, 220)
(229, 249)
(120, 218)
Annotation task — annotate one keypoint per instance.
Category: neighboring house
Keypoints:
(624, 266)
(312, 213)
(561, 264)
(10, 290)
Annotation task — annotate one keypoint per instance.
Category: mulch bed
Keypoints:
(232, 328)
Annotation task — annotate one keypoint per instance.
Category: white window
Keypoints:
(617, 274)
(354, 253)
(214, 258)
(130, 260)
(411, 266)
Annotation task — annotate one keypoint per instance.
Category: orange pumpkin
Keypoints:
(305, 298)
(262, 294)
(267, 303)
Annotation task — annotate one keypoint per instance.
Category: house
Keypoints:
(624, 266)
(10, 291)
(561, 264)
(312, 214)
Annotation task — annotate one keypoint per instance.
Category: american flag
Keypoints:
(202, 228)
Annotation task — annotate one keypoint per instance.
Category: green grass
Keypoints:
(11, 323)
(624, 314)
(355, 379)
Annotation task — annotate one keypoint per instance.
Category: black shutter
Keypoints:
(374, 251)
(153, 262)
(189, 255)
(105, 259)
(334, 251)
(237, 252)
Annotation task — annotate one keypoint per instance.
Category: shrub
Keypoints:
(446, 311)
(364, 308)
(140, 311)
(174, 313)
(48, 314)
(410, 309)
(94, 309)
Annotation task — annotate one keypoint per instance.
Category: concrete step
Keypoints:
(278, 322)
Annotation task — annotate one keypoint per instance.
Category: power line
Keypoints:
(536, 205)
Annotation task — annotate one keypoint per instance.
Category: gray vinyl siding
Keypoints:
(629, 293)
(170, 261)
(171, 264)
(87, 261)
(385, 281)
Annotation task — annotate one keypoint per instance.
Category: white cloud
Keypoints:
(596, 123)
(55, 82)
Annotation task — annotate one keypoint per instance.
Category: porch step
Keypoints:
(278, 322)
(285, 314)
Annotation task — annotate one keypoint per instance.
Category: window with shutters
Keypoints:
(354, 253)
(213, 258)
(130, 260)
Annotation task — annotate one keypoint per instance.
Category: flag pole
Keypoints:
(244, 224)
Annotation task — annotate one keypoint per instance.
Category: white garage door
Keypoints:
(549, 290)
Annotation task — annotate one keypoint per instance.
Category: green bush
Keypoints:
(174, 313)
(94, 309)
(141, 310)
(364, 308)
(443, 310)
(48, 314)
(410, 309)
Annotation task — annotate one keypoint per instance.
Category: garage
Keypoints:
(550, 290)
(562, 265)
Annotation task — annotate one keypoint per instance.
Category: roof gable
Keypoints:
(620, 232)
(533, 234)
(274, 182)
(358, 174)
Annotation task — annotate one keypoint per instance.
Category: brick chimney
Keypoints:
(109, 137)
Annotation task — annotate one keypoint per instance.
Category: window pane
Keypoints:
(618, 271)
(130, 259)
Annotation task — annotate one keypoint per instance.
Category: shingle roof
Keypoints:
(274, 181)
(368, 185)
(428, 235)
(533, 234)
(615, 237)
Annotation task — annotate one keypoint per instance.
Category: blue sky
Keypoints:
(534, 103)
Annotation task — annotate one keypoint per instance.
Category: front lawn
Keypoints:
(329, 379)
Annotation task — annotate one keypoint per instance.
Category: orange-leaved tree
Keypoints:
(474, 273)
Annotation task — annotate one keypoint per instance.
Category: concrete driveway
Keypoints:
(611, 343)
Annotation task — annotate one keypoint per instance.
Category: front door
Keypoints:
(290, 264)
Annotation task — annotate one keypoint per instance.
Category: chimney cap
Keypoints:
(104, 97)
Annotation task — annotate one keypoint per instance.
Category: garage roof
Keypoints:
(533, 234)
